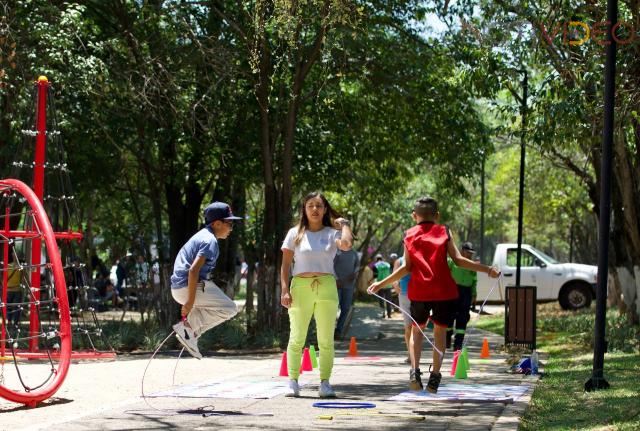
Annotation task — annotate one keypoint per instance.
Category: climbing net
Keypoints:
(35, 331)
(50, 170)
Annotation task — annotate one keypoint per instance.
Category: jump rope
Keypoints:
(173, 378)
(441, 353)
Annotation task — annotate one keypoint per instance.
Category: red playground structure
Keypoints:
(34, 358)
(22, 380)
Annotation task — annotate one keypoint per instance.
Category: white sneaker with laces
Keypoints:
(294, 389)
(326, 391)
(187, 338)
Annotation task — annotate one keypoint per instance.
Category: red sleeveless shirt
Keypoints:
(431, 278)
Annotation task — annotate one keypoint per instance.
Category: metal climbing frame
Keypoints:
(49, 175)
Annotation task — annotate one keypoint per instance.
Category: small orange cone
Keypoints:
(284, 371)
(353, 348)
(306, 360)
(454, 364)
(484, 353)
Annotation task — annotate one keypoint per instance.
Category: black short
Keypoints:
(440, 312)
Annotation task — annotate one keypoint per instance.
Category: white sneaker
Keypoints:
(188, 339)
(326, 391)
(294, 389)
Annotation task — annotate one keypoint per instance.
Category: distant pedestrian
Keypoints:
(467, 281)
(346, 265)
(204, 305)
(142, 272)
(122, 273)
(382, 271)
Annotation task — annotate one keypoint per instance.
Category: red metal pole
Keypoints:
(38, 189)
(5, 279)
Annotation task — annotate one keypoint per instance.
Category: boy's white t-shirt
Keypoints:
(315, 252)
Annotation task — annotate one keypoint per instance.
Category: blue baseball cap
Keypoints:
(218, 211)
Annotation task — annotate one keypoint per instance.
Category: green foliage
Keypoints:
(578, 328)
(127, 336)
(230, 335)
(131, 335)
(161, 112)
(565, 112)
(557, 328)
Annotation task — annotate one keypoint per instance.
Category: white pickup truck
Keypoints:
(572, 284)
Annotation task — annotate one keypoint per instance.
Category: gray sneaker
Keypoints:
(326, 391)
(294, 389)
(187, 338)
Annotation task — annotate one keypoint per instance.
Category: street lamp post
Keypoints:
(523, 110)
(597, 380)
(482, 185)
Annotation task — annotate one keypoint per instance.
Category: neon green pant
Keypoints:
(318, 297)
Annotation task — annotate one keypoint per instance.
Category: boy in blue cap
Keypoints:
(204, 305)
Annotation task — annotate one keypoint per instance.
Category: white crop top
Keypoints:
(315, 252)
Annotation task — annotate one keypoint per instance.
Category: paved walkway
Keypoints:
(106, 395)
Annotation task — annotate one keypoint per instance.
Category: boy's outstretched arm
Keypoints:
(463, 262)
(400, 272)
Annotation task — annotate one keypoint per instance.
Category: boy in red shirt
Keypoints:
(432, 290)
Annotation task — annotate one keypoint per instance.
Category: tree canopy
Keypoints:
(165, 106)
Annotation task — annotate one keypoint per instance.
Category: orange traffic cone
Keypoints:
(284, 370)
(454, 364)
(353, 347)
(306, 360)
(484, 353)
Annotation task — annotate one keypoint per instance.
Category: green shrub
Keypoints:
(232, 334)
(127, 336)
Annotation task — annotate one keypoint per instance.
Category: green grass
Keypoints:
(559, 401)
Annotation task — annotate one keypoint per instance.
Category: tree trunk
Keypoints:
(625, 259)
(278, 178)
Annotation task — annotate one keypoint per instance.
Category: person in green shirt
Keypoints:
(382, 271)
(467, 281)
